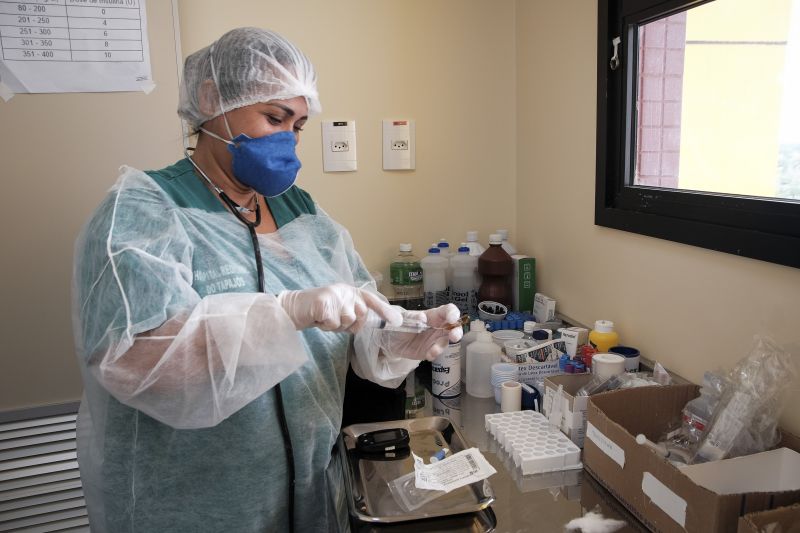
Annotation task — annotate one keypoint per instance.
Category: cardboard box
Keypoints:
(573, 408)
(524, 283)
(784, 520)
(650, 487)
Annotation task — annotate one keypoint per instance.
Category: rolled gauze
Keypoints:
(606, 365)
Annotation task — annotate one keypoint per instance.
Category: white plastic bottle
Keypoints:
(434, 278)
(475, 327)
(507, 246)
(464, 287)
(475, 248)
(481, 355)
(447, 253)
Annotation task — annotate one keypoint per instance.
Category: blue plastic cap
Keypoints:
(433, 250)
(444, 244)
(463, 250)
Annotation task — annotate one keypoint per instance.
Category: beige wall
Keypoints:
(59, 154)
(448, 64)
(505, 116)
(690, 308)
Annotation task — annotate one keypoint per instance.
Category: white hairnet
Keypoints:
(247, 66)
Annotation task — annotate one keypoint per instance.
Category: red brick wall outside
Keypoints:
(660, 85)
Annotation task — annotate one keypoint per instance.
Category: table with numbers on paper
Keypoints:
(71, 30)
(40, 39)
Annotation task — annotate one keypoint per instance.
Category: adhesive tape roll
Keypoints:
(510, 396)
(606, 365)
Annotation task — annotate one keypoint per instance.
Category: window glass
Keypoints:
(717, 106)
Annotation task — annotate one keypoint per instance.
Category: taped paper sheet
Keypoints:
(55, 46)
(608, 446)
(664, 498)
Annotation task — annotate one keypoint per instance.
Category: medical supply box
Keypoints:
(573, 408)
(524, 283)
(658, 493)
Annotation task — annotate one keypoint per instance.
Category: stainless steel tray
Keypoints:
(367, 479)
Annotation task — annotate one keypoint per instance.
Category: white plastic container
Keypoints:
(481, 355)
(507, 246)
(446, 372)
(475, 327)
(447, 252)
(475, 248)
(434, 278)
(464, 286)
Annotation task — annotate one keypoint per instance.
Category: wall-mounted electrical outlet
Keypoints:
(398, 145)
(339, 146)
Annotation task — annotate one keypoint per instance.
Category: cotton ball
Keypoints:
(593, 522)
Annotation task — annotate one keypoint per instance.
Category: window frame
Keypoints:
(759, 228)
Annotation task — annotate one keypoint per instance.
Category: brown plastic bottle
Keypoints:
(496, 268)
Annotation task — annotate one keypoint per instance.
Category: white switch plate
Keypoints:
(398, 145)
(339, 146)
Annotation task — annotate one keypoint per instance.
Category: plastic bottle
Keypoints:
(447, 253)
(464, 287)
(698, 413)
(481, 355)
(446, 372)
(434, 279)
(475, 248)
(475, 327)
(405, 273)
(507, 246)
(496, 268)
(603, 336)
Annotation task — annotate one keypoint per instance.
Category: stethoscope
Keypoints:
(237, 210)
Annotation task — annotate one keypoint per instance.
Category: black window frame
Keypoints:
(759, 228)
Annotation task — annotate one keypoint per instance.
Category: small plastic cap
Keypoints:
(503, 234)
(529, 326)
(443, 243)
(477, 326)
(463, 249)
(472, 236)
(405, 247)
(640, 439)
(495, 238)
(433, 250)
(484, 336)
(604, 326)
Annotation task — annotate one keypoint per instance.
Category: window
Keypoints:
(698, 131)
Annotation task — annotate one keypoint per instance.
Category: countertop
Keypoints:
(540, 502)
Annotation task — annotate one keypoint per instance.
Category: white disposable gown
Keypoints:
(180, 355)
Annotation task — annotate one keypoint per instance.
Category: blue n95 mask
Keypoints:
(266, 164)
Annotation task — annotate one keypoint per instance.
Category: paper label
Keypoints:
(664, 498)
(608, 446)
(462, 468)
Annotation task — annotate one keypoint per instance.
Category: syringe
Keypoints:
(409, 325)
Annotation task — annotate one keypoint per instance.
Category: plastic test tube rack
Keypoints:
(533, 443)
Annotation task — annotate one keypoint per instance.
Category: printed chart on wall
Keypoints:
(57, 46)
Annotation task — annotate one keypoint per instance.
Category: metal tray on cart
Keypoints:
(367, 478)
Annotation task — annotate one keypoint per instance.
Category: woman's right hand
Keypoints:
(337, 307)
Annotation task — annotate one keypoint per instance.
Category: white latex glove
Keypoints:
(338, 307)
(431, 342)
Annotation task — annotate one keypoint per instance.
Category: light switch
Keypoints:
(339, 146)
(398, 145)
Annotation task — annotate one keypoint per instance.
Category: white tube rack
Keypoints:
(534, 445)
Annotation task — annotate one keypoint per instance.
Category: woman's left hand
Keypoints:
(429, 343)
